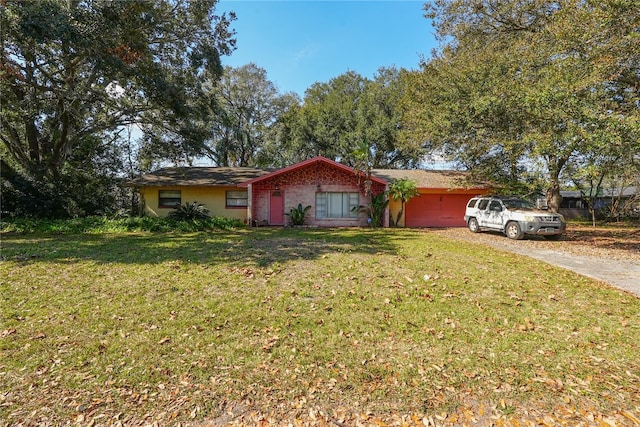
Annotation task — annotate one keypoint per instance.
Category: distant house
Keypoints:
(574, 204)
(333, 190)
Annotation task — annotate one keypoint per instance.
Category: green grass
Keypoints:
(101, 225)
(137, 327)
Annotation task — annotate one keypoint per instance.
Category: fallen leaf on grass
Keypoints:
(164, 340)
(631, 417)
(7, 332)
(271, 342)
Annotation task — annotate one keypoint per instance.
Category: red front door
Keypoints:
(276, 207)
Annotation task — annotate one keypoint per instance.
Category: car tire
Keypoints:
(513, 231)
(473, 225)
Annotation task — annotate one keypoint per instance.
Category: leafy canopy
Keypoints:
(73, 73)
(522, 86)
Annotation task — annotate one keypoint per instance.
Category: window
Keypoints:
(495, 206)
(337, 205)
(169, 198)
(482, 205)
(237, 199)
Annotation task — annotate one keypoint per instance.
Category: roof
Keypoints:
(198, 176)
(242, 177)
(317, 159)
(604, 192)
(430, 178)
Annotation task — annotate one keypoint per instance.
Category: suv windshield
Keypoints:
(518, 204)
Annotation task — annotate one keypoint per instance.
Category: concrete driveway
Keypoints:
(622, 274)
(621, 270)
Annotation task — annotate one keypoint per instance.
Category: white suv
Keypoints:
(513, 216)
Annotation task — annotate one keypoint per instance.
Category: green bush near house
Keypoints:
(100, 224)
(189, 211)
(375, 209)
(404, 190)
(298, 214)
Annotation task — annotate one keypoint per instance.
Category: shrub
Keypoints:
(189, 211)
(297, 215)
(99, 225)
(375, 209)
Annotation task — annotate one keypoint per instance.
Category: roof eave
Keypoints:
(304, 163)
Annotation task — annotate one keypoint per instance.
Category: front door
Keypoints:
(276, 207)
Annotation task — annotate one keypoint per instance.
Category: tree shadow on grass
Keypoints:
(626, 239)
(260, 246)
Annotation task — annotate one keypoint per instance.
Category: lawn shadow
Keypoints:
(625, 239)
(266, 247)
(263, 246)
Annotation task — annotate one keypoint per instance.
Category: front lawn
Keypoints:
(314, 326)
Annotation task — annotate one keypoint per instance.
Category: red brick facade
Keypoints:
(301, 185)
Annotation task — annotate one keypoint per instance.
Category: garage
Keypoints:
(436, 210)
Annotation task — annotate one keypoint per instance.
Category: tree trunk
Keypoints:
(400, 214)
(554, 199)
(553, 195)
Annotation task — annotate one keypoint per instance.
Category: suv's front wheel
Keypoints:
(473, 225)
(513, 231)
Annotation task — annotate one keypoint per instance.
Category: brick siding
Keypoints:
(301, 186)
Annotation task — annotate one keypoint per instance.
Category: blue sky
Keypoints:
(302, 42)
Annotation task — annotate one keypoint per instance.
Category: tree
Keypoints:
(244, 104)
(378, 201)
(336, 116)
(402, 189)
(284, 144)
(73, 72)
(379, 121)
(329, 116)
(518, 84)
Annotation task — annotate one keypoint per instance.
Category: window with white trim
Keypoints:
(169, 198)
(236, 198)
(337, 205)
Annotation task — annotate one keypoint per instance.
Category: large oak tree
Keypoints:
(520, 85)
(73, 72)
(337, 116)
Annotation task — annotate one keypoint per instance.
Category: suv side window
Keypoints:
(495, 206)
(472, 203)
(482, 205)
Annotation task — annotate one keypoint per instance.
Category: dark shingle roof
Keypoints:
(198, 176)
(226, 176)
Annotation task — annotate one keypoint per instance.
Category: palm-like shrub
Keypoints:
(298, 214)
(375, 209)
(403, 190)
(189, 211)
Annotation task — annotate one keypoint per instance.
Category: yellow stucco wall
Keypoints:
(214, 198)
(394, 208)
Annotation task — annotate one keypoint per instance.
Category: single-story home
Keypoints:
(574, 204)
(263, 197)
